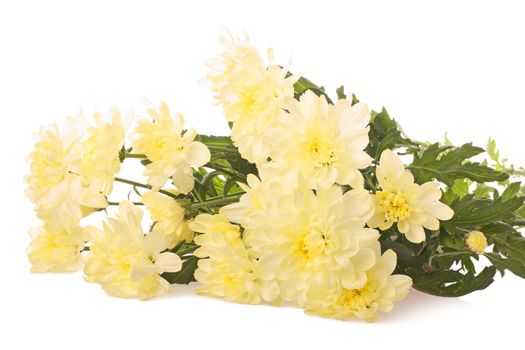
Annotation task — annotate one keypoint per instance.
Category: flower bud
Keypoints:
(476, 242)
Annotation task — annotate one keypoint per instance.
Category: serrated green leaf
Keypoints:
(452, 241)
(354, 99)
(484, 191)
(185, 275)
(451, 283)
(446, 164)
(470, 212)
(401, 250)
(498, 228)
(384, 133)
(510, 245)
(513, 265)
(511, 191)
(303, 84)
(521, 212)
(340, 91)
(461, 187)
(213, 140)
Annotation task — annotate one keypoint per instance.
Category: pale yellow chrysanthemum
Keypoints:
(323, 143)
(127, 263)
(100, 151)
(238, 54)
(378, 294)
(401, 201)
(253, 205)
(169, 218)
(226, 269)
(53, 184)
(476, 242)
(251, 93)
(172, 154)
(54, 157)
(54, 249)
(307, 237)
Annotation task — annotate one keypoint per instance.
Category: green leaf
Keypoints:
(521, 212)
(340, 91)
(185, 275)
(484, 191)
(511, 191)
(384, 133)
(510, 245)
(302, 85)
(447, 163)
(354, 99)
(402, 251)
(498, 228)
(470, 212)
(455, 242)
(513, 265)
(451, 283)
(212, 140)
(492, 151)
(230, 186)
(226, 159)
(461, 187)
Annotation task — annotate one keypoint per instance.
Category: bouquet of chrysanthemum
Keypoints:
(308, 201)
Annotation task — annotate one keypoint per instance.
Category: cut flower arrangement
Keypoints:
(312, 201)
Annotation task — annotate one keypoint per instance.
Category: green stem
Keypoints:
(117, 203)
(186, 249)
(226, 171)
(214, 202)
(516, 172)
(231, 195)
(220, 149)
(138, 184)
(200, 199)
(134, 155)
(461, 252)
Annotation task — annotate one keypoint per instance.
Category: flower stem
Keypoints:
(216, 201)
(220, 169)
(456, 253)
(134, 155)
(516, 172)
(138, 184)
(117, 203)
(220, 149)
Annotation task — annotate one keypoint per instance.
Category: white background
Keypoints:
(438, 66)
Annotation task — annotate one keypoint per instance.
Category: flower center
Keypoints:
(309, 246)
(320, 152)
(48, 164)
(358, 299)
(163, 146)
(395, 204)
(249, 100)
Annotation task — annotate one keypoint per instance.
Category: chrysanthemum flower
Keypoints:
(401, 201)
(172, 153)
(55, 155)
(378, 294)
(168, 216)
(323, 143)
(54, 185)
(253, 205)
(56, 249)
(226, 268)
(127, 263)
(251, 93)
(306, 237)
(100, 151)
